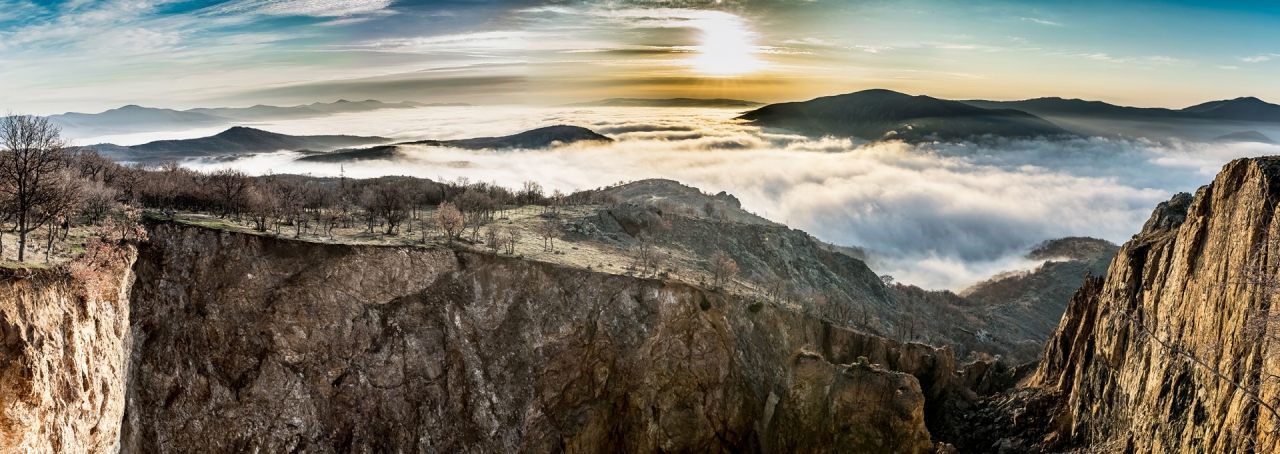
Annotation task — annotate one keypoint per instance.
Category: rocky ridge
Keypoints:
(64, 349)
(1172, 351)
(246, 343)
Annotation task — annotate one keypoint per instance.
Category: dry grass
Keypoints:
(63, 250)
(573, 250)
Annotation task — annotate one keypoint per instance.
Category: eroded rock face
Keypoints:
(249, 344)
(1127, 356)
(64, 348)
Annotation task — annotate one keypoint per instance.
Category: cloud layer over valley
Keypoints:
(936, 215)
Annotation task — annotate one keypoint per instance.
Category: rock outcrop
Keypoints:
(64, 347)
(1176, 350)
(243, 343)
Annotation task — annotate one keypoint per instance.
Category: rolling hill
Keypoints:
(133, 118)
(667, 102)
(234, 141)
(1239, 109)
(533, 139)
(889, 115)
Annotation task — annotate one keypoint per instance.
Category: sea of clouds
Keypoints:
(935, 215)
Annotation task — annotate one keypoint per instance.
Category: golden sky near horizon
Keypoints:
(73, 55)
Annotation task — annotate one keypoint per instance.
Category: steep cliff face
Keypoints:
(250, 344)
(1175, 351)
(64, 346)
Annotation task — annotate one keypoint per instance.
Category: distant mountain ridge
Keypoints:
(666, 102)
(233, 141)
(889, 115)
(134, 118)
(533, 139)
(1244, 136)
(1240, 109)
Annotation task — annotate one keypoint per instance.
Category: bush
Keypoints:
(864, 362)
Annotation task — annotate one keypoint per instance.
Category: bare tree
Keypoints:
(388, 201)
(549, 230)
(449, 219)
(491, 239)
(709, 209)
(32, 155)
(260, 206)
(98, 200)
(646, 254)
(59, 208)
(723, 268)
(775, 287)
(476, 207)
(230, 190)
(513, 235)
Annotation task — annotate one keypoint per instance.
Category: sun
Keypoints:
(725, 46)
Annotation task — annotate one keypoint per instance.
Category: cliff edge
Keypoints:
(246, 343)
(1176, 350)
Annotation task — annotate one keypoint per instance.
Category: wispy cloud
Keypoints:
(809, 42)
(1163, 60)
(1042, 21)
(317, 8)
(1257, 58)
(964, 210)
(492, 40)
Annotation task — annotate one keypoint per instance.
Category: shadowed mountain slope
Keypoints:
(549, 136)
(889, 115)
(234, 141)
(669, 102)
(1244, 136)
(1240, 109)
(136, 118)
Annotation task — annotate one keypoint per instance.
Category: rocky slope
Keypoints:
(1175, 351)
(244, 343)
(1009, 316)
(1022, 309)
(64, 348)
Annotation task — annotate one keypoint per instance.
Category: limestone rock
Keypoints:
(64, 347)
(1174, 352)
(245, 343)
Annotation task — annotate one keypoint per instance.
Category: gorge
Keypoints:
(220, 341)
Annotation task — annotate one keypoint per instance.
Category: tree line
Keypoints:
(45, 183)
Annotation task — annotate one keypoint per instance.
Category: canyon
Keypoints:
(215, 341)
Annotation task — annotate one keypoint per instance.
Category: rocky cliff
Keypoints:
(244, 343)
(1175, 351)
(64, 348)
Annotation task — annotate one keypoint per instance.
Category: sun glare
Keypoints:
(726, 47)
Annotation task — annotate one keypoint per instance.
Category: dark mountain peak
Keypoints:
(236, 140)
(878, 114)
(879, 92)
(1244, 136)
(136, 107)
(535, 138)
(666, 102)
(1244, 108)
(246, 132)
(544, 137)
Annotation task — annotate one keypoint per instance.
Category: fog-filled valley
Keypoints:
(938, 215)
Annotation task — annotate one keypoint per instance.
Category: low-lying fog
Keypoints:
(939, 216)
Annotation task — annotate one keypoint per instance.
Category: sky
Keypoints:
(88, 56)
(941, 215)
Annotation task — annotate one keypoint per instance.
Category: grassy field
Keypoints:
(589, 252)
